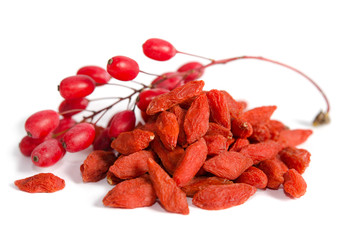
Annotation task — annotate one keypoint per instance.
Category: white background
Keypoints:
(43, 42)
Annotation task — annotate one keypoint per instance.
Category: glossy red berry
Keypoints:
(123, 68)
(146, 97)
(193, 70)
(158, 49)
(41, 123)
(67, 106)
(64, 125)
(79, 137)
(98, 74)
(122, 122)
(167, 81)
(47, 153)
(76, 86)
(27, 145)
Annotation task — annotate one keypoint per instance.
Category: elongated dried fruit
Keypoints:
(294, 184)
(261, 151)
(239, 144)
(96, 165)
(180, 114)
(176, 96)
(167, 129)
(259, 115)
(196, 121)
(172, 198)
(192, 161)
(215, 129)
(235, 108)
(294, 137)
(199, 183)
(240, 128)
(217, 197)
(228, 165)
(40, 183)
(169, 159)
(274, 171)
(219, 109)
(132, 193)
(216, 144)
(131, 166)
(132, 141)
(296, 158)
(254, 177)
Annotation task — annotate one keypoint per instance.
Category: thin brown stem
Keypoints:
(193, 55)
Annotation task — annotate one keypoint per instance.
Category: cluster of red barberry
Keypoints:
(50, 134)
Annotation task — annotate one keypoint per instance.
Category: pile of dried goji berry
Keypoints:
(192, 143)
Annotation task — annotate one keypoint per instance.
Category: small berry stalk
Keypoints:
(51, 134)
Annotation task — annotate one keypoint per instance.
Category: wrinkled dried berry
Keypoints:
(40, 183)
(217, 197)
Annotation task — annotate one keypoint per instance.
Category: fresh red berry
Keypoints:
(98, 74)
(146, 97)
(123, 68)
(122, 122)
(79, 137)
(158, 49)
(67, 106)
(47, 153)
(64, 125)
(41, 123)
(193, 70)
(27, 145)
(168, 81)
(76, 86)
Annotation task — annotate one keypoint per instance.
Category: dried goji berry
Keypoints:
(169, 159)
(180, 114)
(239, 144)
(131, 166)
(190, 164)
(254, 177)
(216, 144)
(261, 151)
(275, 127)
(236, 109)
(219, 110)
(167, 129)
(199, 183)
(260, 133)
(196, 121)
(216, 129)
(96, 165)
(228, 164)
(298, 159)
(132, 141)
(240, 128)
(172, 198)
(259, 115)
(176, 96)
(274, 171)
(132, 193)
(149, 126)
(294, 184)
(41, 183)
(294, 137)
(216, 197)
